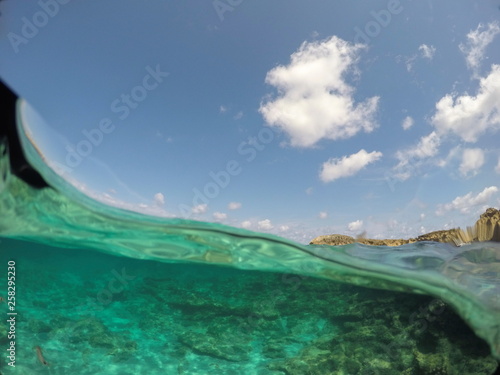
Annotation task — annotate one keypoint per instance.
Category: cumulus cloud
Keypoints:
(355, 225)
(284, 228)
(407, 122)
(200, 209)
(234, 205)
(314, 100)
(246, 224)
(467, 202)
(472, 160)
(411, 159)
(347, 166)
(427, 146)
(470, 116)
(323, 215)
(427, 51)
(219, 216)
(477, 41)
(159, 199)
(265, 224)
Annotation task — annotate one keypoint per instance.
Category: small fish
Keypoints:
(39, 355)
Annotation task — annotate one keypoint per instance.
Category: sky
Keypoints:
(287, 117)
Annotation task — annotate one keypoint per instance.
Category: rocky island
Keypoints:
(487, 228)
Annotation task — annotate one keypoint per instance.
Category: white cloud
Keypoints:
(407, 122)
(465, 203)
(111, 200)
(314, 100)
(159, 199)
(265, 224)
(347, 166)
(409, 61)
(219, 216)
(427, 147)
(246, 224)
(200, 209)
(238, 116)
(427, 51)
(234, 205)
(497, 168)
(453, 153)
(477, 41)
(471, 116)
(472, 160)
(222, 109)
(411, 159)
(355, 225)
(323, 215)
(284, 228)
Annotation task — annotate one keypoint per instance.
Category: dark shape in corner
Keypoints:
(18, 163)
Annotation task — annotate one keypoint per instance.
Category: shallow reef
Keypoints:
(195, 319)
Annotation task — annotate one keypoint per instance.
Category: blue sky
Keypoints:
(291, 117)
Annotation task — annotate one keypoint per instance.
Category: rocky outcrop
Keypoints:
(398, 242)
(333, 239)
(487, 228)
(340, 239)
(448, 236)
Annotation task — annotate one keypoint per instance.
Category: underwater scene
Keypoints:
(93, 313)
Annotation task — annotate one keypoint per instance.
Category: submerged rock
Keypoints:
(487, 228)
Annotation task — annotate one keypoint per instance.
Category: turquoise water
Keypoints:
(93, 313)
(105, 291)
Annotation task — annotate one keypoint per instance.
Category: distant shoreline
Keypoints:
(487, 228)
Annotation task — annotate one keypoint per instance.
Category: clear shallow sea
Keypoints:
(93, 313)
